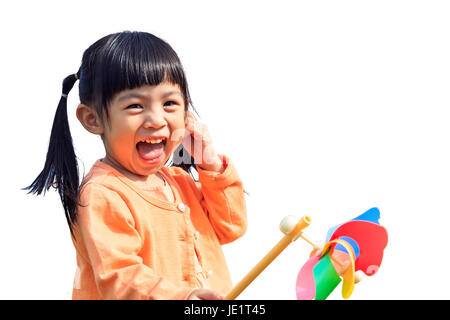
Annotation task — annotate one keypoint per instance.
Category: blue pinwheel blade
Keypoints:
(371, 215)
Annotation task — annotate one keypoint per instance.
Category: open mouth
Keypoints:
(152, 148)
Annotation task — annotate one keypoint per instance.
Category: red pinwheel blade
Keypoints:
(371, 238)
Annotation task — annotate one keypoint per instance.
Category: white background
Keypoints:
(327, 108)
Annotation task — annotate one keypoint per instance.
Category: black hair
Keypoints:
(119, 61)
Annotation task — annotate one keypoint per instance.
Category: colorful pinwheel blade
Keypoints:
(371, 215)
(325, 277)
(371, 239)
(341, 259)
(305, 286)
(317, 279)
(351, 242)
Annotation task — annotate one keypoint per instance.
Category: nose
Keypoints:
(154, 119)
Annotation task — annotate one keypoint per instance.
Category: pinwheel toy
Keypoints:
(352, 247)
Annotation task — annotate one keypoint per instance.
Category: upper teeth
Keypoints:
(148, 140)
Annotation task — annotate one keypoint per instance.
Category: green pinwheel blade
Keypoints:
(325, 277)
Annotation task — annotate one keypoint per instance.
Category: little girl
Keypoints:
(143, 230)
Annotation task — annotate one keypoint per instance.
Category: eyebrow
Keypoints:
(143, 96)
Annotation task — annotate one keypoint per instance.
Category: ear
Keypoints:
(89, 119)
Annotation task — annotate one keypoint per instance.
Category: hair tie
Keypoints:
(64, 95)
(76, 76)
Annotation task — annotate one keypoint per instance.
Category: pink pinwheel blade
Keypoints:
(305, 286)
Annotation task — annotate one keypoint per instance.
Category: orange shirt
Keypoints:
(133, 245)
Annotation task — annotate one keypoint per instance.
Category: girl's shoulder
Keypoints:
(103, 176)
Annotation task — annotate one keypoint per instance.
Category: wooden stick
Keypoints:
(268, 258)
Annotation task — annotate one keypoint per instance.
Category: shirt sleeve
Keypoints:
(105, 226)
(223, 200)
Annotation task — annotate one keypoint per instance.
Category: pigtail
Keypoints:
(61, 167)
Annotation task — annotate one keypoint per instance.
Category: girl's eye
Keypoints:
(134, 106)
(170, 104)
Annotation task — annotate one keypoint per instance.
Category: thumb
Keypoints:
(209, 295)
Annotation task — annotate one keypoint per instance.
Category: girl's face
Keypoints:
(144, 127)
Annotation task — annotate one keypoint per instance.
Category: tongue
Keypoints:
(149, 151)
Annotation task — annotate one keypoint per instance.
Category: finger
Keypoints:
(210, 295)
(191, 124)
(193, 296)
(197, 129)
(193, 146)
(188, 142)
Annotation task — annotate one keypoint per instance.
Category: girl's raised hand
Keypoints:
(197, 141)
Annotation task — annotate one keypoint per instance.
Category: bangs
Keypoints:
(133, 59)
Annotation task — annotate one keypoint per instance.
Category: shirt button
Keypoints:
(197, 235)
(181, 206)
